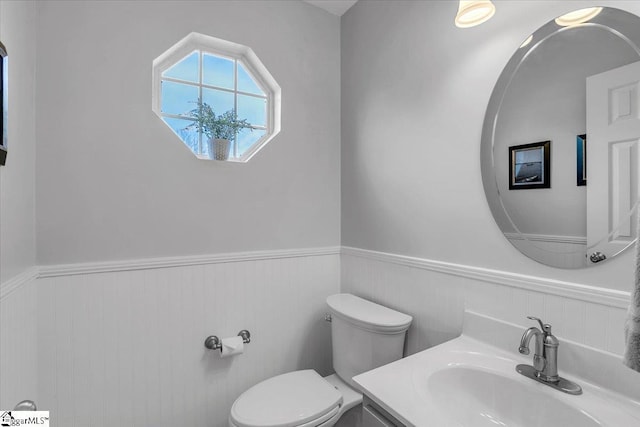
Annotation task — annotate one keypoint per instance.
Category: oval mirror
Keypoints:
(559, 150)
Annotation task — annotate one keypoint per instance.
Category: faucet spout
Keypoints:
(539, 361)
(526, 338)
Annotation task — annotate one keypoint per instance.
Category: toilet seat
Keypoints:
(326, 420)
(295, 399)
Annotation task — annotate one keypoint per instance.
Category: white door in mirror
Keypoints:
(613, 132)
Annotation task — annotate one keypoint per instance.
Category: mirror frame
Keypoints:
(608, 19)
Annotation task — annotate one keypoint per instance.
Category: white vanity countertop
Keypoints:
(407, 390)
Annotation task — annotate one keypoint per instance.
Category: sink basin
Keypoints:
(469, 382)
(475, 397)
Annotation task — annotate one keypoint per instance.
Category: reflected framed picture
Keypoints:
(529, 166)
(4, 97)
(581, 158)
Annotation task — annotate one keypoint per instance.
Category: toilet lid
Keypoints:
(287, 400)
(368, 315)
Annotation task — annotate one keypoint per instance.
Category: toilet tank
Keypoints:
(364, 335)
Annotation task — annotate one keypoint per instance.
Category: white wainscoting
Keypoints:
(436, 294)
(126, 347)
(122, 343)
(18, 340)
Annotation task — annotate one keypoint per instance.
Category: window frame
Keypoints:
(225, 49)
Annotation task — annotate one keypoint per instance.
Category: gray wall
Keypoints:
(414, 93)
(18, 311)
(113, 182)
(17, 177)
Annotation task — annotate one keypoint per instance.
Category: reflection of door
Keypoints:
(613, 132)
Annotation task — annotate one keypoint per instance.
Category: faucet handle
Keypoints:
(545, 327)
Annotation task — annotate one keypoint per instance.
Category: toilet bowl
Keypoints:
(365, 336)
(299, 398)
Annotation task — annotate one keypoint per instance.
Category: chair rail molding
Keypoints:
(594, 294)
(180, 261)
(44, 271)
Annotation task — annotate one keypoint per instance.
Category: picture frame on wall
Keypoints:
(4, 98)
(530, 166)
(581, 160)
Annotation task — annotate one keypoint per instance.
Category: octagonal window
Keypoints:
(217, 97)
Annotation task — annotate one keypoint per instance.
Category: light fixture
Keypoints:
(472, 13)
(578, 16)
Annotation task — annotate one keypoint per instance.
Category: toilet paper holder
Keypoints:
(214, 343)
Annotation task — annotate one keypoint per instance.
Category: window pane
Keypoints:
(189, 136)
(246, 138)
(217, 71)
(219, 100)
(232, 151)
(253, 109)
(205, 147)
(188, 69)
(178, 98)
(246, 82)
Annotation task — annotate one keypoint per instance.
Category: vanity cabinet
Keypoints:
(374, 416)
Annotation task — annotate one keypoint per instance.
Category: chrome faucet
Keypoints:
(545, 358)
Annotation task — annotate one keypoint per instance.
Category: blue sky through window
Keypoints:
(188, 69)
(219, 100)
(246, 82)
(217, 71)
(253, 109)
(178, 98)
(246, 138)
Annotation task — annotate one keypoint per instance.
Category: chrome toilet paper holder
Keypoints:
(214, 343)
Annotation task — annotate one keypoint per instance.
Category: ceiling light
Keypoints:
(472, 13)
(578, 16)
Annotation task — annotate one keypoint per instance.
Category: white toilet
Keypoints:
(364, 336)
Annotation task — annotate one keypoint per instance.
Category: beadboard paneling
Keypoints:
(18, 341)
(437, 300)
(126, 348)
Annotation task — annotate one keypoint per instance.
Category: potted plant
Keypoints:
(219, 129)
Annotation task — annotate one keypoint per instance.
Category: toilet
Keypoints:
(364, 336)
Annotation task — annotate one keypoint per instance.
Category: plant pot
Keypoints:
(219, 148)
